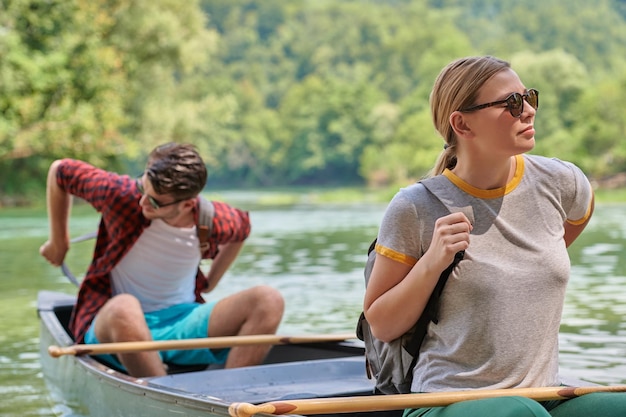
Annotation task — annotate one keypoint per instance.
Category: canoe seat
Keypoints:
(259, 384)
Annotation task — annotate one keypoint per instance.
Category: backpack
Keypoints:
(205, 222)
(391, 364)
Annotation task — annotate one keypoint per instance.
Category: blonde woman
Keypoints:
(514, 215)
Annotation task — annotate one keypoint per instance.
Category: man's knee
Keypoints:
(123, 308)
(270, 301)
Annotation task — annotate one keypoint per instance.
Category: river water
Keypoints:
(314, 254)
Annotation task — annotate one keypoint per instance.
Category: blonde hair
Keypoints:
(457, 87)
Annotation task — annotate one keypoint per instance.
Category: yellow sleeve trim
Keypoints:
(396, 256)
(586, 216)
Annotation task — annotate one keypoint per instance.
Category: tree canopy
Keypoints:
(298, 92)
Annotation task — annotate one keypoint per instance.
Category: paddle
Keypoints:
(209, 342)
(400, 401)
(64, 267)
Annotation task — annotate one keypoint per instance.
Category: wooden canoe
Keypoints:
(320, 374)
(291, 371)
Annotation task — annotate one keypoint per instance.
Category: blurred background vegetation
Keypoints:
(291, 93)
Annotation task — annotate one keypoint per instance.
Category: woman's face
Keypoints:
(495, 130)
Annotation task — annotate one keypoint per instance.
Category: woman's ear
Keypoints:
(460, 125)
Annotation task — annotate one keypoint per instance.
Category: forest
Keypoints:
(290, 93)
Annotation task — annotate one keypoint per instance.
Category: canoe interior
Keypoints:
(297, 371)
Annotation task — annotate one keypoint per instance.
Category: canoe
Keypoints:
(324, 378)
(291, 371)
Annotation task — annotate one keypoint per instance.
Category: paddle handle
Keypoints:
(200, 343)
(401, 401)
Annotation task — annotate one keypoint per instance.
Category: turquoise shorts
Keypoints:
(183, 321)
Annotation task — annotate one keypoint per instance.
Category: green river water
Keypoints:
(314, 255)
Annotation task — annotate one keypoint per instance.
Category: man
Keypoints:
(144, 282)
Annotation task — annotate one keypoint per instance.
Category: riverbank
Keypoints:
(304, 195)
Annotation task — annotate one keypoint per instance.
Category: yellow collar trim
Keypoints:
(495, 193)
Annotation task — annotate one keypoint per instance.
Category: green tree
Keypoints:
(94, 80)
(601, 127)
(60, 87)
(305, 91)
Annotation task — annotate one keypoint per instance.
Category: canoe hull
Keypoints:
(92, 389)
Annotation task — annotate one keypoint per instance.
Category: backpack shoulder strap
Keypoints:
(391, 364)
(440, 188)
(206, 212)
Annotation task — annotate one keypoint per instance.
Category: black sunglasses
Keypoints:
(514, 102)
(153, 201)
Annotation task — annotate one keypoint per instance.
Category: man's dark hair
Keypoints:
(176, 169)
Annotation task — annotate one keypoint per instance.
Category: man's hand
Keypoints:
(54, 252)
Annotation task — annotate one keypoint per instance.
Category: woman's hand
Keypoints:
(451, 235)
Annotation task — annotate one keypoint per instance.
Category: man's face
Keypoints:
(155, 205)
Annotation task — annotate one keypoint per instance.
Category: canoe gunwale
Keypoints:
(107, 378)
(119, 390)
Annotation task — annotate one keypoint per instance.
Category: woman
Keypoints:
(514, 215)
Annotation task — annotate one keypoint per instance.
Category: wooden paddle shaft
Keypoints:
(401, 401)
(209, 342)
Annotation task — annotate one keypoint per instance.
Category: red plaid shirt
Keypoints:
(116, 198)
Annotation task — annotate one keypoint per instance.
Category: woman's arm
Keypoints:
(397, 293)
(572, 231)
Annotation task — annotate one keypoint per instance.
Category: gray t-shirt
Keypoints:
(501, 307)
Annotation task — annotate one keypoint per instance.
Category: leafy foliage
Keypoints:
(298, 92)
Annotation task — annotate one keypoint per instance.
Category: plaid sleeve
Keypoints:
(116, 197)
(230, 224)
(86, 181)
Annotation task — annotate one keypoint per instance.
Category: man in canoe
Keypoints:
(514, 215)
(145, 281)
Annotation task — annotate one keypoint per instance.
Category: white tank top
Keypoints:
(160, 269)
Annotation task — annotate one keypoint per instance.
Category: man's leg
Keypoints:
(257, 310)
(121, 320)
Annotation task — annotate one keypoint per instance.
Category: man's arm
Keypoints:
(59, 204)
(231, 227)
(224, 259)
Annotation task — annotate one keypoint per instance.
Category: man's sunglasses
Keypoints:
(153, 201)
(514, 102)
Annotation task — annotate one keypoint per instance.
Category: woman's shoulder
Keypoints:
(552, 169)
(562, 177)
(415, 195)
(422, 198)
(550, 163)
